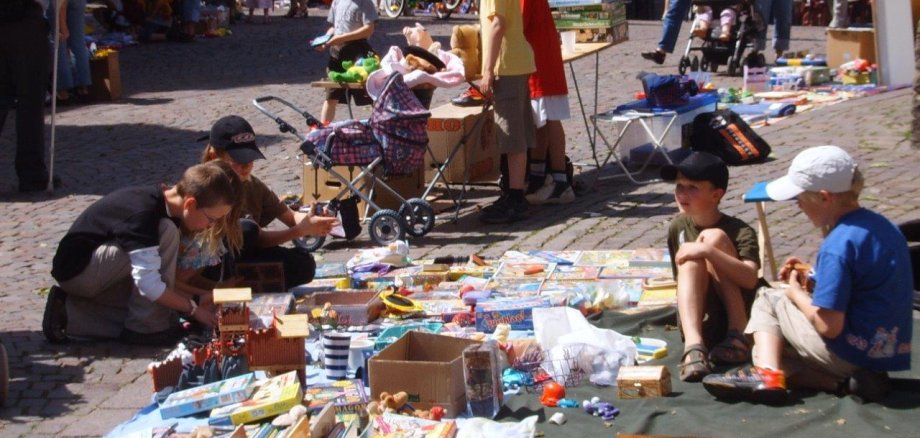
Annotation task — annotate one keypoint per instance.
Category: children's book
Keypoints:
(651, 257)
(634, 272)
(391, 425)
(520, 257)
(207, 397)
(516, 286)
(346, 395)
(557, 257)
(331, 270)
(568, 272)
(272, 397)
(619, 257)
(524, 270)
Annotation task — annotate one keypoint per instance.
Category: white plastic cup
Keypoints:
(568, 42)
(356, 353)
(335, 358)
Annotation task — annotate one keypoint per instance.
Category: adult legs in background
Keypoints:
(677, 12)
(24, 67)
(74, 75)
(779, 13)
(841, 14)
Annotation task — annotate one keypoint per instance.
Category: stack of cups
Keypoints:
(335, 349)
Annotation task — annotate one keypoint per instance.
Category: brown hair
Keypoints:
(212, 153)
(213, 184)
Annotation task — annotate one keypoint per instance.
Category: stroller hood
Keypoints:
(400, 124)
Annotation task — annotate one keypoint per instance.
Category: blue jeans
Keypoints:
(75, 74)
(778, 13)
(677, 12)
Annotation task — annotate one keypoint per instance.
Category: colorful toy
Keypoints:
(232, 316)
(356, 72)
(552, 393)
(567, 403)
(514, 379)
(601, 409)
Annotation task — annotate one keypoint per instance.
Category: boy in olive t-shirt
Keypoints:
(715, 262)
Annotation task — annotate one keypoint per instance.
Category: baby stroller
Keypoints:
(393, 139)
(718, 51)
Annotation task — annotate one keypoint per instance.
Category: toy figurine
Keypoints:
(601, 409)
(552, 393)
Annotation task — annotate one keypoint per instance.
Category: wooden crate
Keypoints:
(643, 382)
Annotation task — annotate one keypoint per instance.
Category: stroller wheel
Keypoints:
(705, 64)
(732, 67)
(418, 215)
(311, 243)
(695, 63)
(387, 227)
(683, 65)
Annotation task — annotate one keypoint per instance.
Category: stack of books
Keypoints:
(594, 21)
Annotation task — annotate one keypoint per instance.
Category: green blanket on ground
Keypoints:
(691, 411)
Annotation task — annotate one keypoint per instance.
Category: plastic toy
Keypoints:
(601, 409)
(567, 403)
(552, 393)
(514, 379)
(418, 36)
(356, 72)
(398, 305)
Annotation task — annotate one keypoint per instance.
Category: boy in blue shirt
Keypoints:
(856, 325)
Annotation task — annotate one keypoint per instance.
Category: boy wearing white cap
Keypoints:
(856, 324)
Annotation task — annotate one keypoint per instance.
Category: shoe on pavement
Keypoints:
(535, 183)
(552, 193)
(504, 211)
(748, 383)
(470, 97)
(54, 320)
(869, 386)
(655, 55)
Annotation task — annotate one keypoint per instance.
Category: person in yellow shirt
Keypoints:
(507, 62)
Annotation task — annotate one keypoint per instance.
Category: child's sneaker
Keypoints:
(54, 320)
(748, 383)
(535, 183)
(552, 193)
(504, 211)
(470, 97)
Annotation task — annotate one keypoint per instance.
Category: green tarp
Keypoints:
(691, 411)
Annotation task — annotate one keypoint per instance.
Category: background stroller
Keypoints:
(714, 51)
(392, 141)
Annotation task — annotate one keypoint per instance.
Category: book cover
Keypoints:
(525, 270)
(391, 425)
(513, 256)
(634, 272)
(346, 395)
(272, 397)
(518, 313)
(516, 286)
(619, 257)
(565, 272)
(651, 257)
(207, 397)
(330, 270)
(557, 257)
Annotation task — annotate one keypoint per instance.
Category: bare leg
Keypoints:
(692, 285)
(517, 170)
(328, 113)
(556, 138)
(729, 293)
(768, 350)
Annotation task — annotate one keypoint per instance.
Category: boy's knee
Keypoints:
(719, 239)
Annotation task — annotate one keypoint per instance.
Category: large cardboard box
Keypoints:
(427, 367)
(848, 44)
(320, 185)
(106, 77)
(446, 127)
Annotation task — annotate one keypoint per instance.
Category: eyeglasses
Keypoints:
(211, 220)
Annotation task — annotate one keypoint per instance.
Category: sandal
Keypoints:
(728, 352)
(698, 365)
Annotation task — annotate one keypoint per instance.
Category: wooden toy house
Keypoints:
(281, 347)
(232, 317)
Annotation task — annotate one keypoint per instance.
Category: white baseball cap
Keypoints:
(818, 168)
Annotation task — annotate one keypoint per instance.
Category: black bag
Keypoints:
(725, 134)
(12, 11)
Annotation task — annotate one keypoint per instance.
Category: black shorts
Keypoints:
(350, 51)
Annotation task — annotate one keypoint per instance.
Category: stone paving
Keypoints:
(173, 92)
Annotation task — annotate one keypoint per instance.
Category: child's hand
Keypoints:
(788, 267)
(206, 314)
(316, 225)
(692, 251)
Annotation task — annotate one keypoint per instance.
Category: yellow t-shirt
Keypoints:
(515, 57)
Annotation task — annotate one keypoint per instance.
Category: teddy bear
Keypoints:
(388, 403)
(464, 42)
(356, 72)
(417, 63)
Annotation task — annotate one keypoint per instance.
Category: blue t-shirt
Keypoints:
(863, 269)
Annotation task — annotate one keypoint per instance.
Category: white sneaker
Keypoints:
(552, 193)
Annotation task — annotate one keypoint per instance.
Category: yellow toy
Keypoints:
(356, 72)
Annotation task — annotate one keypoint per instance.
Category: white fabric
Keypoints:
(145, 269)
(550, 108)
(452, 76)
(819, 168)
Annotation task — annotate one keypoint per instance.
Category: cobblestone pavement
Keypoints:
(174, 91)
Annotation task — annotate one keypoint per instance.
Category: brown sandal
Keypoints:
(698, 365)
(728, 352)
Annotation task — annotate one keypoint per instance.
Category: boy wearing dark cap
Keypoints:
(232, 141)
(715, 261)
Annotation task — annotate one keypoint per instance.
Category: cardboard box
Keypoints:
(106, 77)
(320, 185)
(426, 366)
(845, 45)
(446, 127)
(353, 308)
(643, 382)
(408, 186)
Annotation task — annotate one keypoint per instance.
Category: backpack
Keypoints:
(725, 134)
(668, 91)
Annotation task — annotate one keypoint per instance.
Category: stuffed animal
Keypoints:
(418, 36)
(464, 42)
(356, 72)
(416, 63)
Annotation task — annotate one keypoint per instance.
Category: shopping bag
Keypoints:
(725, 134)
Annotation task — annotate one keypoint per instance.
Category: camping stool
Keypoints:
(758, 195)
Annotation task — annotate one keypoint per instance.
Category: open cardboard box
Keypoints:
(353, 307)
(428, 367)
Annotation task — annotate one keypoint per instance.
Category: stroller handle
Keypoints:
(283, 125)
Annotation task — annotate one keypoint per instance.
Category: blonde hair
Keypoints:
(849, 198)
(213, 184)
(212, 153)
